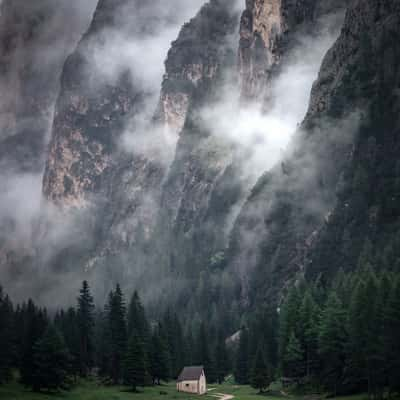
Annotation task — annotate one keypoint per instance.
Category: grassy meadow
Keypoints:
(90, 390)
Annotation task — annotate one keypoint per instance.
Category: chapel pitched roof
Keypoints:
(191, 373)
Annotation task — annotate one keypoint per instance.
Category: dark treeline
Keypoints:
(118, 344)
(345, 339)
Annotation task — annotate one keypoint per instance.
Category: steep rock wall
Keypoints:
(282, 220)
(268, 30)
(363, 228)
(35, 40)
(201, 187)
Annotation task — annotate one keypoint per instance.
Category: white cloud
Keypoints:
(262, 133)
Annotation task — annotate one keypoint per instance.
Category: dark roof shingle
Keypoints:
(190, 373)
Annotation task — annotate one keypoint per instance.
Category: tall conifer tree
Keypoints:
(85, 316)
(6, 337)
(135, 363)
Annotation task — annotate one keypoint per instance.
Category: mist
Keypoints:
(262, 131)
(137, 42)
(32, 59)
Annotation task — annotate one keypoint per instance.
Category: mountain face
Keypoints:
(193, 207)
(314, 212)
(364, 223)
(267, 31)
(148, 169)
(34, 45)
(87, 167)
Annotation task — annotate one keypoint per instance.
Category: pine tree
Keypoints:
(364, 331)
(391, 335)
(103, 343)
(6, 337)
(332, 341)
(159, 357)
(242, 359)
(222, 359)
(135, 363)
(117, 334)
(294, 358)
(137, 324)
(261, 376)
(85, 316)
(289, 321)
(174, 339)
(51, 362)
(67, 324)
(309, 320)
(33, 325)
(374, 337)
(137, 321)
(204, 356)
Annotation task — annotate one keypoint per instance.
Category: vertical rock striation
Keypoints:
(297, 211)
(268, 30)
(201, 187)
(35, 40)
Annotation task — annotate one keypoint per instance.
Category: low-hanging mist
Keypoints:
(263, 130)
(257, 133)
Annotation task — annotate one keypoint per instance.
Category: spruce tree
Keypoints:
(117, 333)
(137, 324)
(364, 333)
(85, 316)
(391, 335)
(204, 356)
(261, 376)
(6, 337)
(51, 362)
(242, 364)
(159, 357)
(221, 359)
(309, 320)
(175, 340)
(294, 358)
(67, 324)
(135, 363)
(289, 321)
(34, 324)
(137, 321)
(333, 341)
(103, 343)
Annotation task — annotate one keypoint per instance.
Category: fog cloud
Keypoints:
(262, 133)
(140, 40)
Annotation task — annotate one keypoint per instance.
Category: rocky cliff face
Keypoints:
(194, 208)
(184, 211)
(205, 186)
(293, 214)
(268, 30)
(89, 118)
(363, 226)
(87, 168)
(158, 188)
(35, 40)
(34, 43)
(88, 171)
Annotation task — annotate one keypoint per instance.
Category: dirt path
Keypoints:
(222, 396)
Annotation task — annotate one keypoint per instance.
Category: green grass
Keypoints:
(241, 392)
(90, 390)
(93, 391)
